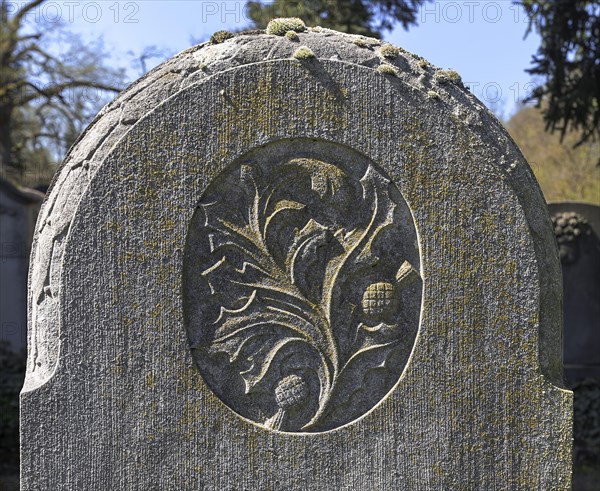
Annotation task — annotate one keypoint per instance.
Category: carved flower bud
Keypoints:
(378, 299)
(290, 391)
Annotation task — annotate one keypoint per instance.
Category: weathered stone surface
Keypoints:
(191, 321)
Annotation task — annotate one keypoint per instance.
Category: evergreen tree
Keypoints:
(568, 62)
(366, 17)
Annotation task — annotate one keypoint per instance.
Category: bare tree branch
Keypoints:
(17, 19)
(56, 90)
(42, 92)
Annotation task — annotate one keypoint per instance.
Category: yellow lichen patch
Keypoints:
(156, 311)
(292, 36)
(113, 225)
(150, 379)
(365, 42)
(190, 380)
(280, 26)
(447, 76)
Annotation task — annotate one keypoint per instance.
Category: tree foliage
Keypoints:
(52, 84)
(568, 61)
(366, 17)
(564, 172)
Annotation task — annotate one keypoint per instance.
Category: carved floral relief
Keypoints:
(301, 286)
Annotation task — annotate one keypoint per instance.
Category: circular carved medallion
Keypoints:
(301, 286)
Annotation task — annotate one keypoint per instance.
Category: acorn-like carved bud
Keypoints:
(378, 299)
(290, 391)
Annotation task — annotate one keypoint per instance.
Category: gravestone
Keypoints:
(18, 212)
(577, 229)
(295, 259)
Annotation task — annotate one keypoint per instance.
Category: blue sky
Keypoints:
(482, 40)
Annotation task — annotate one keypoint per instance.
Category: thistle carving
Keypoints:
(303, 291)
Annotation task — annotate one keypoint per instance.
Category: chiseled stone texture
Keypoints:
(118, 394)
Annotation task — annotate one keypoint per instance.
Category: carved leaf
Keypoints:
(358, 245)
(381, 350)
(375, 190)
(308, 256)
(257, 334)
(283, 205)
(326, 179)
(352, 379)
(276, 313)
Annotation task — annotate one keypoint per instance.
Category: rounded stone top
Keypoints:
(227, 50)
(285, 40)
(288, 40)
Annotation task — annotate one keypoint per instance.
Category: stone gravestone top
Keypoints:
(295, 259)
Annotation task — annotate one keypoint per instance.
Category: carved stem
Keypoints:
(330, 358)
(337, 267)
(279, 274)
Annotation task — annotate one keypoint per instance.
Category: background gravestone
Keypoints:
(295, 261)
(577, 229)
(18, 211)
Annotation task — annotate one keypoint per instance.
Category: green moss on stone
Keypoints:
(389, 51)
(365, 42)
(387, 70)
(432, 94)
(303, 53)
(220, 36)
(280, 26)
(292, 36)
(447, 76)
